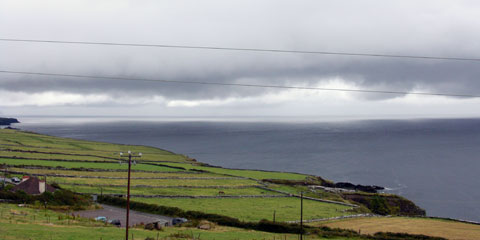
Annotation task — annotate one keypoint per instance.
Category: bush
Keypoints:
(386, 204)
(55, 185)
(181, 235)
(379, 206)
(58, 198)
(17, 197)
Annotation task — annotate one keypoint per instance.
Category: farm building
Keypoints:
(33, 186)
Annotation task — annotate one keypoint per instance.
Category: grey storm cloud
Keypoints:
(432, 28)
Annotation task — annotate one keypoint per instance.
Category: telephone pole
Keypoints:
(130, 156)
(301, 216)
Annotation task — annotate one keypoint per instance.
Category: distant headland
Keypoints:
(8, 121)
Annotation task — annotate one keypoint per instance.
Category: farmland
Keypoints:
(157, 182)
(77, 164)
(172, 192)
(246, 209)
(432, 227)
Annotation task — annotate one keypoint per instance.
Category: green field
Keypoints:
(144, 167)
(29, 155)
(172, 191)
(255, 209)
(254, 174)
(306, 192)
(156, 182)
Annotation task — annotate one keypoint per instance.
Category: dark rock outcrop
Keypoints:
(322, 182)
(8, 121)
(363, 188)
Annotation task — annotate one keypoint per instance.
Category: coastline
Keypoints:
(212, 145)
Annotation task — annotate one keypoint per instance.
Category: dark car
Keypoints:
(176, 221)
(115, 222)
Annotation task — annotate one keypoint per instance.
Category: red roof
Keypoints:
(32, 186)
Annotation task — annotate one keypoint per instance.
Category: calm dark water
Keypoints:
(435, 163)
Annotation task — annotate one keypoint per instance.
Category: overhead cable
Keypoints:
(353, 54)
(238, 84)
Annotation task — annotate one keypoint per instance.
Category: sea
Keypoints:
(433, 162)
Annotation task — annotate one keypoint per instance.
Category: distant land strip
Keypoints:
(105, 177)
(88, 161)
(89, 169)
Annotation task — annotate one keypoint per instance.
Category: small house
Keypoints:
(33, 186)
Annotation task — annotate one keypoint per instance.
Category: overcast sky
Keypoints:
(432, 28)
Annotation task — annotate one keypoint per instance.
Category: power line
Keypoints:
(355, 54)
(240, 84)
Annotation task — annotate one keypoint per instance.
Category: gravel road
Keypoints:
(112, 213)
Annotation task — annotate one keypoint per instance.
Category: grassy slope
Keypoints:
(255, 209)
(114, 166)
(431, 227)
(43, 143)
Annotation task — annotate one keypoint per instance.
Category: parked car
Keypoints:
(15, 180)
(176, 221)
(115, 222)
(101, 218)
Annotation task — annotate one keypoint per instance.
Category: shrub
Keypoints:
(379, 206)
(58, 198)
(55, 185)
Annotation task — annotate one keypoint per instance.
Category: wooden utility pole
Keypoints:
(301, 216)
(128, 190)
